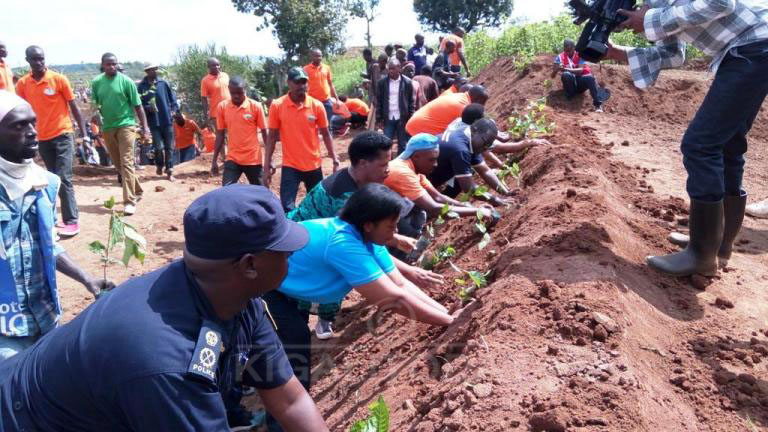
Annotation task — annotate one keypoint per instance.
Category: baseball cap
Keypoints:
(151, 66)
(238, 219)
(296, 73)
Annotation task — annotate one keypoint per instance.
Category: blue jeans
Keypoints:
(57, 154)
(165, 144)
(328, 105)
(337, 123)
(10, 346)
(397, 127)
(289, 184)
(293, 331)
(713, 147)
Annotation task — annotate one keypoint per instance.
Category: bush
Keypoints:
(346, 71)
(528, 40)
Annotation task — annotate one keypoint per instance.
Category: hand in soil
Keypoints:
(98, 286)
(405, 244)
(422, 278)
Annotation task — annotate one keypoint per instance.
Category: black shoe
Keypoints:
(119, 179)
(240, 419)
(733, 216)
(159, 170)
(700, 256)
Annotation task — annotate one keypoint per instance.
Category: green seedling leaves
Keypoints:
(378, 421)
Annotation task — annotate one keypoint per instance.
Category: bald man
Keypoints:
(6, 75)
(321, 82)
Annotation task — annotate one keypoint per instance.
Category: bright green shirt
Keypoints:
(116, 98)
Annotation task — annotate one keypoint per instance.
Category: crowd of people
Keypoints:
(177, 348)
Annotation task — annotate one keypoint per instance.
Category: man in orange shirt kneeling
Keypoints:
(185, 130)
(241, 118)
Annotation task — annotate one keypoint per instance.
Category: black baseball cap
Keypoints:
(238, 219)
(296, 73)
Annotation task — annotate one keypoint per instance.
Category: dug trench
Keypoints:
(573, 331)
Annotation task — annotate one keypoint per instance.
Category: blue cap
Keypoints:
(419, 142)
(238, 219)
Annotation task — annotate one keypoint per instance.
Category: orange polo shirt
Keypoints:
(403, 179)
(185, 135)
(449, 90)
(455, 59)
(215, 88)
(319, 76)
(434, 117)
(341, 110)
(50, 99)
(209, 140)
(298, 125)
(6, 77)
(242, 124)
(357, 106)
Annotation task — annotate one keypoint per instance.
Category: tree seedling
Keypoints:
(445, 213)
(507, 171)
(442, 253)
(482, 229)
(476, 281)
(531, 122)
(480, 192)
(378, 421)
(119, 233)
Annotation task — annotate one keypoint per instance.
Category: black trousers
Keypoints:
(289, 184)
(233, 171)
(574, 85)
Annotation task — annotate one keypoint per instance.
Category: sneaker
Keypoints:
(159, 170)
(343, 131)
(129, 209)
(248, 391)
(599, 109)
(240, 419)
(758, 209)
(170, 177)
(69, 230)
(324, 329)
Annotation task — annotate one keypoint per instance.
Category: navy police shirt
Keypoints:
(150, 356)
(456, 155)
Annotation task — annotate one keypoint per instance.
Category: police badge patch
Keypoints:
(206, 356)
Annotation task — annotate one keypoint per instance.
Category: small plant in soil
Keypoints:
(378, 421)
(509, 170)
(119, 233)
(482, 229)
(445, 213)
(532, 122)
(477, 280)
(442, 253)
(480, 192)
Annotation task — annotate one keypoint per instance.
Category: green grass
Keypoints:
(346, 71)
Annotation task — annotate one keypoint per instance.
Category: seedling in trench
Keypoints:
(510, 171)
(442, 253)
(482, 229)
(445, 213)
(477, 280)
(531, 122)
(480, 192)
(120, 233)
(378, 421)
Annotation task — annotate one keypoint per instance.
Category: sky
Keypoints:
(76, 31)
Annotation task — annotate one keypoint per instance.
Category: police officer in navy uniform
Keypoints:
(159, 351)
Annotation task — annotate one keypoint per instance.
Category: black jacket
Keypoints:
(405, 99)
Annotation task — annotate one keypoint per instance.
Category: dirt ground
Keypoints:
(574, 331)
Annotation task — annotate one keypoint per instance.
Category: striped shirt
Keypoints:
(713, 26)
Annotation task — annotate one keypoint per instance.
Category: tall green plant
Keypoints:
(119, 233)
(378, 421)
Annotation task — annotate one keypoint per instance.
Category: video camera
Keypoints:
(603, 20)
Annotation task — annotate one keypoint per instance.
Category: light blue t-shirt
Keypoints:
(335, 260)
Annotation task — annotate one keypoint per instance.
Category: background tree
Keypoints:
(301, 25)
(445, 15)
(191, 67)
(365, 9)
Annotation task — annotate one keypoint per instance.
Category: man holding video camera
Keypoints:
(735, 34)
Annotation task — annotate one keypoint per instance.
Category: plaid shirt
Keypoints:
(713, 26)
(21, 242)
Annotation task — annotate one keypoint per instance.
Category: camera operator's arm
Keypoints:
(662, 22)
(646, 63)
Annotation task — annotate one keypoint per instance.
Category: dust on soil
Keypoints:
(573, 332)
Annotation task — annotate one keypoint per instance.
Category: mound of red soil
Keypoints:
(574, 331)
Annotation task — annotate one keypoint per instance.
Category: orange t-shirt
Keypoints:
(434, 117)
(242, 124)
(6, 77)
(298, 125)
(209, 140)
(215, 88)
(455, 59)
(319, 77)
(50, 99)
(357, 106)
(403, 179)
(95, 130)
(449, 90)
(341, 109)
(185, 135)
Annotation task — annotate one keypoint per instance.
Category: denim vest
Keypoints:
(46, 199)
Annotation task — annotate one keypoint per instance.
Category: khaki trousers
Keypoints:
(119, 143)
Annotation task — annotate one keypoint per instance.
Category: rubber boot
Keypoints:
(700, 256)
(733, 215)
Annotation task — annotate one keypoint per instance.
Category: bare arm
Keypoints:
(328, 141)
(418, 275)
(385, 293)
(219, 144)
(464, 62)
(143, 120)
(433, 208)
(269, 149)
(490, 178)
(492, 160)
(78, 118)
(206, 109)
(65, 265)
(293, 408)
(404, 283)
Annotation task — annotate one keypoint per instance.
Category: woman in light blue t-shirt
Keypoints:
(343, 254)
